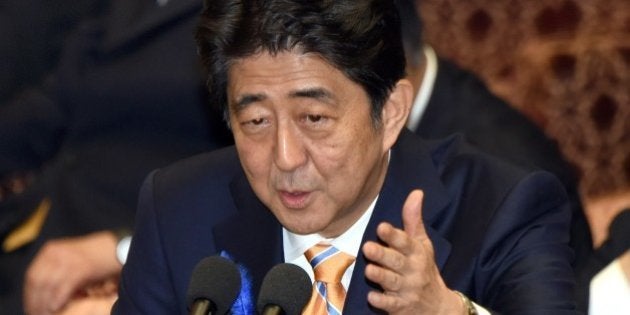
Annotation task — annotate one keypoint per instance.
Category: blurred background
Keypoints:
(563, 63)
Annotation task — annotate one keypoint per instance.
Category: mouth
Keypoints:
(294, 199)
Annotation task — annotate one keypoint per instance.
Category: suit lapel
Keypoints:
(410, 168)
(252, 237)
(134, 19)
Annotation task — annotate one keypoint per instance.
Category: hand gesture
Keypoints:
(405, 268)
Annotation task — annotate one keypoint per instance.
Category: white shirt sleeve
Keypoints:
(480, 310)
(609, 291)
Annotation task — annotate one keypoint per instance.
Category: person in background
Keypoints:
(451, 100)
(317, 99)
(32, 33)
(126, 98)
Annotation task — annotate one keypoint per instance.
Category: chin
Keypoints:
(302, 225)
(301, 229)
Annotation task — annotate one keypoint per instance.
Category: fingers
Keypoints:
(391, 303)
(392, 263)
(395, 238)
(387, 264)
(48, 285)
(412, 215)
(403, 264)
(89, 305)
(392, 282)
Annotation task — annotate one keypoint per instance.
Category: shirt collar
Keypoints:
(426, 88)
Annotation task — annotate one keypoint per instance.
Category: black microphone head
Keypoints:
(287, 286)
(216, 279)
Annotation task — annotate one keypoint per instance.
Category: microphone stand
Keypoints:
(201, 307)
(271, 309)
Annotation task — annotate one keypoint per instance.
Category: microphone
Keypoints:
(214, 285)
(285, 291)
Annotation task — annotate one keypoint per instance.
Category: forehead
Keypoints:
(261, 62)
(282, 73)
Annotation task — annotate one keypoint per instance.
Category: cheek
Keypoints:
(356, 145)
(328, 157)
(344, 163)
(254, 158)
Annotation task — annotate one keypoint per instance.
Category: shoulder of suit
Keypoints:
(455, 153)
(217, 164)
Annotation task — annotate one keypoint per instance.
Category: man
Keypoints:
(317, 101)
(128, 97)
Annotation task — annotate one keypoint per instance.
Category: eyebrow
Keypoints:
(319, 94)
(247, 99)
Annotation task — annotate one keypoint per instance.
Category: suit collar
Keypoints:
(122, 30)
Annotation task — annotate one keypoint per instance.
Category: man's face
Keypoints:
(306, 140)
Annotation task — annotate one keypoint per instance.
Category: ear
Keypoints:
(395, 112)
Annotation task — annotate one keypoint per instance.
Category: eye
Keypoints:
(257, 121)
(314, 118)
(316, 122)
(255, 125)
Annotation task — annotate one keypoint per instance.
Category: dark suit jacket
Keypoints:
(461, 103)
(500, 233)
(129, 97)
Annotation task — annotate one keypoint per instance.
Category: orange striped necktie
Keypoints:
(329, 264)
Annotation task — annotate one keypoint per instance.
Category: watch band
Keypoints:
(470, 308)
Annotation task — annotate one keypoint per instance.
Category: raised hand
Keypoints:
(405, 268)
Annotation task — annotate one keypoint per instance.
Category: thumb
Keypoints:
(412, 214)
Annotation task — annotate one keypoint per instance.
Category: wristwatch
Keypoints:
(470, 308)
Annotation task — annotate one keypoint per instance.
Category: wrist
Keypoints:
(467, 306)
(450, 304)
(100, 249)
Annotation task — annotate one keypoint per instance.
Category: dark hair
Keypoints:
(360, 38)
(411, 29)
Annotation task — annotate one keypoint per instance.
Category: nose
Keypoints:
(290, 152)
